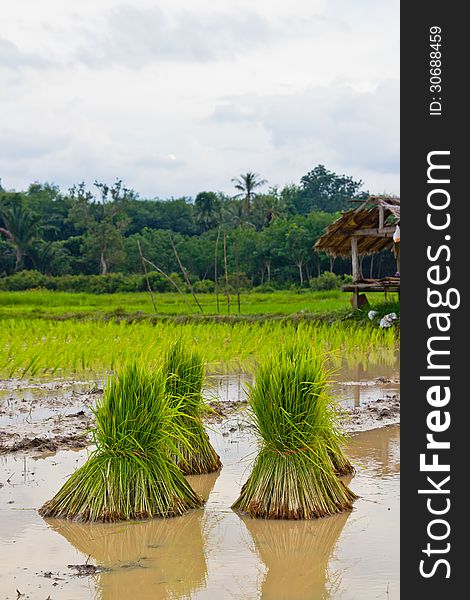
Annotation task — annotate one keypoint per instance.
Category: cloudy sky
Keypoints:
(178, 97)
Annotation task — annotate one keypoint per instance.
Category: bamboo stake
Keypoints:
(215, 270)
(227, 293)
(170, 280)
(237, 273)
(185, 274)
(149, 287)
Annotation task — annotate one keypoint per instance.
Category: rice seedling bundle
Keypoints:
(131, 474)
(183, 371)
(293, 476)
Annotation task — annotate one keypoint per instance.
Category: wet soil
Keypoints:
(212, 552)
(45, 416)
(56, 415)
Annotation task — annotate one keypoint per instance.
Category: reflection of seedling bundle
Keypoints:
(294, 475)
(296, 555)
(156, 558)
(131, 474)
(183, 370)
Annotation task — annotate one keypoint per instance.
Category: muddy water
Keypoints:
(46, 409)
(352, 384)
(210, 553)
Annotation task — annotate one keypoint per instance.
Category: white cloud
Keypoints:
(175, 98)
(14, 58)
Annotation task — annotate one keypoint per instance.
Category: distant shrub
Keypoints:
(264, 288)
(25, 280)
(204, 286)
(91, 284)
(326, 281)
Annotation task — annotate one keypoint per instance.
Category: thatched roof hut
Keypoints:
(372, 224)
(367, 229)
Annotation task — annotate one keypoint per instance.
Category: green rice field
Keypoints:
(45, 347)
(49, 303)
(60, 334)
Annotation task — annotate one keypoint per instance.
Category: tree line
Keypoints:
(268, 233)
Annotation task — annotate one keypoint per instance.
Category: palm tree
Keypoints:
(207, 209)
(247, 183)
(21, 228)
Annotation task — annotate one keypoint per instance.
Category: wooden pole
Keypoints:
(149, 287)
(237, 273)
(227, 293)
(354, 259)
(355, 270)
(173, 283)
(185, 275)
(381, 218)
(215, 270)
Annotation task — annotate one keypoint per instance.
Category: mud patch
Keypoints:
(45, 416)
(46, 444)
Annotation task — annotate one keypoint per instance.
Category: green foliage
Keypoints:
(206, 286)
(294, 475)
(326, 281)
(19, 225)
(246, 184)
(95, 231)
(103, 223)
(26, 280)
(92, 284)
(207, 210)
(131, 474)
(324, 190)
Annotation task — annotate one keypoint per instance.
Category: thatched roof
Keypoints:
(363, 223)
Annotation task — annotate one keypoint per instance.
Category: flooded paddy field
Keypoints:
(212, 552)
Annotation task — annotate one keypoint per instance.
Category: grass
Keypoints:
(44, 303)
(293, 476)
(183, 370)
(38, 347)
(131, 474)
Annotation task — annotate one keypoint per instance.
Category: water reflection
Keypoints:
(296, 555)
(158, 558)
(378, 450)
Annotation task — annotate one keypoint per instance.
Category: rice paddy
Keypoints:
(40, 303)
(38, 347)
(148, 433)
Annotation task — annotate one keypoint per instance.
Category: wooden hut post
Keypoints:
(355, 259)
(355, 269)
(381, 218)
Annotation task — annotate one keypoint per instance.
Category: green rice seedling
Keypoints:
(183, 371)
(38, 347)
(131, 474)
(293, 476)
